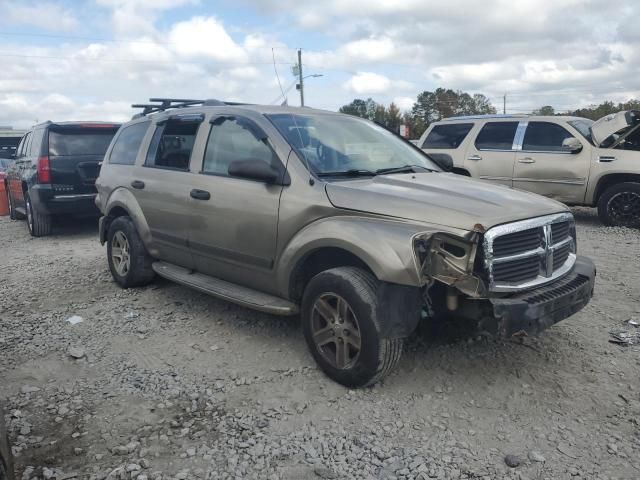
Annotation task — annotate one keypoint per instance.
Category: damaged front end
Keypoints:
(457, 283)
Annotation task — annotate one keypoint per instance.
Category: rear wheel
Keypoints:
(12, 211)
(39, 224)
(342, 328)
(129, 261)
(619, 205)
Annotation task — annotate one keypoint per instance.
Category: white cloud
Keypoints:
(205, 37)
(45, 15)
(367, 83)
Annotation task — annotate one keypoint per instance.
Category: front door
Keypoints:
(234, 221)
(491, 156)
(162, 186)
(545, 167)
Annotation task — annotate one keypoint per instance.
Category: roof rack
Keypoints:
(162, 104)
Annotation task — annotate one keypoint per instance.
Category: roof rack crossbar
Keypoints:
(162, 104)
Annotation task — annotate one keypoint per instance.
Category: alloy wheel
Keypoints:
(335, 331)
(120, 253)
(624, 209)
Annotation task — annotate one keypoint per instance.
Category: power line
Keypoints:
(126, 60)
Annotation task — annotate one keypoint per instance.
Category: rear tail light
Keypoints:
(44, 170)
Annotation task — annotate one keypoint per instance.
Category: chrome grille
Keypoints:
(528, 253)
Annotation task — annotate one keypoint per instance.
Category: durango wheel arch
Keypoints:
(122, 202)
(383, 247)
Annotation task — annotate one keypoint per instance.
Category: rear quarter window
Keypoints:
(80, 141)
(496, 136)
(447, 136)
(127, 143)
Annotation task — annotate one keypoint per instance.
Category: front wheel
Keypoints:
(342, 329)
(619, 205)
(129, 261)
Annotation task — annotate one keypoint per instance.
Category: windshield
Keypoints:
(334, 144)
(584, 127)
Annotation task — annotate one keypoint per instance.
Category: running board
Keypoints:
(231, 292)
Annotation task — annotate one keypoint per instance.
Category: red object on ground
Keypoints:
(4, 199)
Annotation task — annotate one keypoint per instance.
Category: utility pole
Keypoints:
(300, 77)
(504, 104)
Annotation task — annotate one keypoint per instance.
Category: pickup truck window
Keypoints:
(228, 141)
(496, 136)
(447, 136)
(544, 137)
(125, 150)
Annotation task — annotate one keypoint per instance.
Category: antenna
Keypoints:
(275, 69)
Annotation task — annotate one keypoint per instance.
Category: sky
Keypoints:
(90, 60)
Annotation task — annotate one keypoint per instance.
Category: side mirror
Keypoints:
(254, 169)
(572, 144)
(443, 160)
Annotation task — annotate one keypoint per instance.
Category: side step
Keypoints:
(231, 292)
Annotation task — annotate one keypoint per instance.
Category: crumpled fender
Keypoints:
(385, 246)
(123, 198)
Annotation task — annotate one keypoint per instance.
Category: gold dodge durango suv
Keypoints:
(570, 159)
(300, 211)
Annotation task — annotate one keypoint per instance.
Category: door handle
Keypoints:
(474, 157)
(200, 194)
(137, 184)
(526, 160)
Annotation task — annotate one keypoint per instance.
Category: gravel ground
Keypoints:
(165, 382)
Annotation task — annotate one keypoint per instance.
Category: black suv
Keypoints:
(55, 171)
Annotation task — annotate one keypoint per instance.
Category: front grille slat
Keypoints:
(529, 269)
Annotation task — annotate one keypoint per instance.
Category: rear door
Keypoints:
(491, 154)
(75, 153)
(14, 175)
(545, 167)
(162, 185)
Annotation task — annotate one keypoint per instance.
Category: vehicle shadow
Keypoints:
(75, 226)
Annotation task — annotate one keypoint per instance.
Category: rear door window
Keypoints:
(544, 137)
(172, 144)
(80, 141)
(447, 136)
(127, 144)
(496, 136)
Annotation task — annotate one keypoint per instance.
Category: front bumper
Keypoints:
(538, 309)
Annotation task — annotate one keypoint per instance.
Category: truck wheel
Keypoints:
(39, 224)
(129, 261)
(619, 205)
(342, 329)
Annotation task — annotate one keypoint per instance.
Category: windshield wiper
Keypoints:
(349, 173)
(403, 169)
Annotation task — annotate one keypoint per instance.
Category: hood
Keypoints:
(440, 198)
(614, 124)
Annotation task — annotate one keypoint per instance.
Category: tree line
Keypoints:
(443, 103)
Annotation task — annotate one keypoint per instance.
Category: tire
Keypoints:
(39, 224)
(357, 289)
(619, 205)
(12, 212)
(132, 268)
